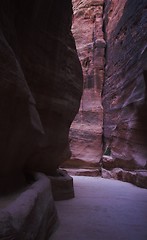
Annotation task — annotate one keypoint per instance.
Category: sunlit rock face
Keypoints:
(40, 86)
(125, 88)
(86, 130)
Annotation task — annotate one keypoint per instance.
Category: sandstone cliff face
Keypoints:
(86, 130)
(40, 86)
(125, 88)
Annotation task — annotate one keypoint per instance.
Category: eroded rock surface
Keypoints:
(32, 215)
(40, 86)
(125, 88)
(86, 130)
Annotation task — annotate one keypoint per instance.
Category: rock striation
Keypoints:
(40, 87)
(86, 130)
(125, 88)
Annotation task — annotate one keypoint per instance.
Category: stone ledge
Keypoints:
(93, 172)
(32, 215)
(62, 186)
(138, 178)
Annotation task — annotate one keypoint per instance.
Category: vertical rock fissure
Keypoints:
(145, 80)
(105, 59)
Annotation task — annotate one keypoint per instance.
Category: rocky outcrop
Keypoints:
(112, 170)
(125, 88)
(29, 214)
(86, 130)
(62, 186)
(40, 87)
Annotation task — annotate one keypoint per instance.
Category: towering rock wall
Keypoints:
(86, 130)
(40, 86)
(125, 88)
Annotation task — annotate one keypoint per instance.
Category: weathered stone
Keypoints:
(116, 173)
(125, 87)
(62, 186)
(110, 162)
(31, 215)
(138, 177)
(90, 172)
(86, 130)
(129, 176)
(141, 180)
(40, 87)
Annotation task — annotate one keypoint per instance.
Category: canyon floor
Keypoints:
(103, 210)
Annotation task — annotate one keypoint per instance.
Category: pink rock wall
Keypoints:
(86, 130)
(125, 88)
(40, 86)
(123, 25)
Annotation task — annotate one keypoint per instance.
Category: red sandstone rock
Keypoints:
(40, 86)
(86, 130)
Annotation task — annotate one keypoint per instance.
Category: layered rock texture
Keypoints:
(125, 90)
(40, 87)
(116, 32)
(86, 130)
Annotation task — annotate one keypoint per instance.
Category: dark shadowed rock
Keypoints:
(40, 86)
(62, 185)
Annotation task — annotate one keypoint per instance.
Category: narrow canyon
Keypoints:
(108, 136)
(73, 96)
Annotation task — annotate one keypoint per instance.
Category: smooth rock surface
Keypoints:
(29, 215)
(103, 210)
(40, 87)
